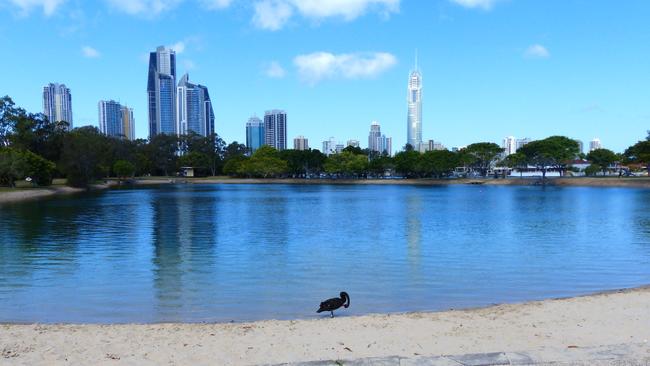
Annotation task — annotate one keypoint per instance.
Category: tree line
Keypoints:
(33, 147)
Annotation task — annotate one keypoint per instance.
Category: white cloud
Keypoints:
(275, 71)
(178, 47)
(318, 66)
(537, 51)
(271, 14)
(143, 7)
(274, 14)
(476, 4)
(348, 9)
(48, 6)
(90, 52)
(216, 4)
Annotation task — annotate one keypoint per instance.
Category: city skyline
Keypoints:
(488, 75)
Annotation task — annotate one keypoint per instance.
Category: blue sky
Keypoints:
(491, 68)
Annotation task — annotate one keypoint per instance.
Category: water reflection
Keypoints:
(245, 252)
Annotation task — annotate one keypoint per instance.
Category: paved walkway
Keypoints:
(617, 355)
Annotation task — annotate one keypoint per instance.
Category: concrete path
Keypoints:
(616, 355)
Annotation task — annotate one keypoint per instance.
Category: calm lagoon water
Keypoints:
(196, 253)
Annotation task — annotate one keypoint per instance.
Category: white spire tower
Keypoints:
(414, 103)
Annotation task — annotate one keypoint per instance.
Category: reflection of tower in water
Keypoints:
(414, 227)
(184, 240)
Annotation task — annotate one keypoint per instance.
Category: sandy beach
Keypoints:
(547, 327)
(19, 195)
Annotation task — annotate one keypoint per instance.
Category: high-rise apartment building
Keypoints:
(581, 146)
(57, 103)
(329, 146)
(353, 143)
(116, 120)
(254, 133)
(522, 142)
(300, 143)
(275, 129)
(110, 118)
(509, 145)
(414, 103)
(193, 108)
(161, 91)
(378, 142)
(128, 123)
(434, 145)
(373, 136)
(595, 144)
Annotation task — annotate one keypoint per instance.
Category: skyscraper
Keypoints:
(378, 142)
(300, 143)
(509, 145)
(193, 108)
(161, 91)
(128, 123)
(414, 102)
(254, 133)
(373, 136)
(275, 129)
(110, 118)
(595, 144)
(329, 146)
(57, 103)
(116, 120)
(522, 142)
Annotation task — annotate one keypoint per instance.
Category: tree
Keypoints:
(12, 166)
(602, 158)
(516, 161)
(379, 164)
(593, 169)
(552, 152)
(406, 162)
(40, 171)
(83, 157)
(481, 156)
(264, 163)
(162, 151)
(437, 163)
(123, 169)
(639, 154)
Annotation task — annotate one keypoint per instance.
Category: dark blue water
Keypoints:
(244, 252)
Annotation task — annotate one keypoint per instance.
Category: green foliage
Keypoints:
(264, 163)
(593, 170)
(406, 163)
(84, 156)
(481, 156)
(639, 153)
(15, 165)
(162, 153)
(437, 163)
(552, 152)
(602, 158)
(301, 163)
(123, 169)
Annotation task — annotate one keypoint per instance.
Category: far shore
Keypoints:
(548, 328)
(26, 194)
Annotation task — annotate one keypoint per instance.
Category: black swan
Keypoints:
(335, 303)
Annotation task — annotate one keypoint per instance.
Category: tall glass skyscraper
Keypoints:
(110, 118)
(193, 108)
(254, 133)
(116, 120)
(161, 91)
(414, 102)
(57, 103)
(275, 129)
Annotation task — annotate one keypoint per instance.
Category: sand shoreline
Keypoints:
(547, 326)
(20, 195)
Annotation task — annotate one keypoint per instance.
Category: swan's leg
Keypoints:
(332, 314)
